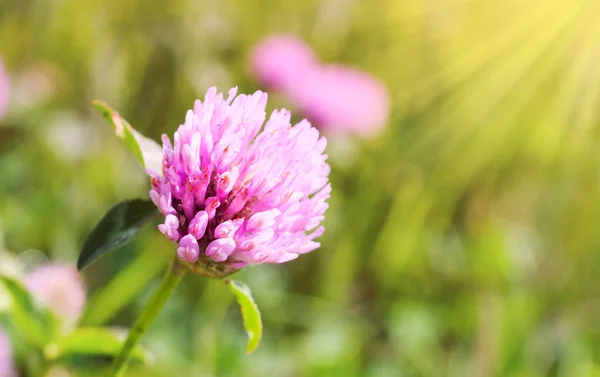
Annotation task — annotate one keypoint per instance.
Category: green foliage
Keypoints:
(92, 341)
(250, 313)
(145, 150)
(118, 226)
(122, 288)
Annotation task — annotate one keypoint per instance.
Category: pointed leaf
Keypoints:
(35, 324)
(120, 224)
(147, 151)
(93, 341)
(250, 313)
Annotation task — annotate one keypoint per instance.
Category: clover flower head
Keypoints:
(236, 195)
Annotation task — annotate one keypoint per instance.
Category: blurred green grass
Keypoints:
(461, 242)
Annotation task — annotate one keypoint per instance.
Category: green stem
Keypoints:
(170, 281)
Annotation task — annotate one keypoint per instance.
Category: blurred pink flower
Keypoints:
(341, 99)
(4, 89)
(281, 59)
(238, 195)
(59, 288)
(337, 99)
(6, 357)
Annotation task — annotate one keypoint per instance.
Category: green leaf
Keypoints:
(147, 151)
(250, 313)
(120, 224)
(93, 341)
(35, 324)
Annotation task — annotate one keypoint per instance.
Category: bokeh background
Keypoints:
(461, 241)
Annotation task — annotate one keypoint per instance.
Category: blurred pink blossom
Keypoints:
(341, 99)
(6, 357)
(59, 288)
(278, 60)
(4, 89)
(336, 98)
